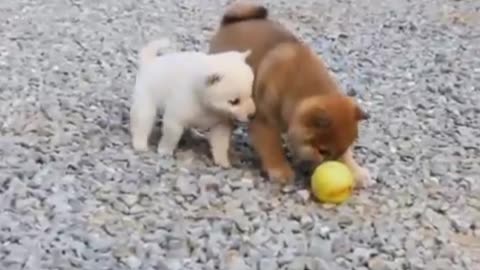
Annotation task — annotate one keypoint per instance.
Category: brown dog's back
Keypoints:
(247, 26)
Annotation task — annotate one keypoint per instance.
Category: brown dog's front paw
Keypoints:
(282, 175)
(362, 178)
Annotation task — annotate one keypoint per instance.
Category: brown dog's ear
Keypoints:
(361, 114)
(213, 79)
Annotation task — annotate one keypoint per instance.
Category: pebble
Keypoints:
(74, 194)
(303, 195)
(267, 264)
(341, 245)
(361, 256)
(378, 263)
(319, 247)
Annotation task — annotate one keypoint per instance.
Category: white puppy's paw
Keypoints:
(362, 177)
(164, 152)
(223, 162)
(140, 146)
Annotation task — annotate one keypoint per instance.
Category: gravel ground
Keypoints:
(73, 194)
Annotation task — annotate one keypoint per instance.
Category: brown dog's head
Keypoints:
(323, 127)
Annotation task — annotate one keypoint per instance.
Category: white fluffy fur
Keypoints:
(191, 90)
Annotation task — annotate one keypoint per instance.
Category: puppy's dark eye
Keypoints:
(324, 152)
(234, 102)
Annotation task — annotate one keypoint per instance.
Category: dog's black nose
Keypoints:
(251, 116)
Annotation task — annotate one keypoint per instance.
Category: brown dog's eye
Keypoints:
(323, 151)
(234, 102)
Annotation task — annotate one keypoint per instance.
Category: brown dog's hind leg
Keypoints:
(267, 142)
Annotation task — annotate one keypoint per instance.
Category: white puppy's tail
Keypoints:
(151, 50)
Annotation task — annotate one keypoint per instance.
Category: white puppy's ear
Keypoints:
(246, 53)
(213, 79)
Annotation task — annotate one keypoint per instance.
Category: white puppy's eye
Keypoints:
(234, 102)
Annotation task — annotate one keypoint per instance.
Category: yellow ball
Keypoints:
(332, 182)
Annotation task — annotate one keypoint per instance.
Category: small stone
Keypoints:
(134, 262)
(17, 254)
(174, 264)
(259, 237)
(344, 221)
(341, 245)
(100, 243)
(129, 199)
(186, 186)
(378, 263)
(343, 263)
(244, 183)
(232, 205)
(288, 189)
(416, 263)
(247, 183)
(361, 256)
(307, 222)
(292, 226)
(136, 209)
(251, 207)
(286, 256)
(234, 261)
(209, 182)
(460, 223)
(442, 264)
(242, 222)
(267, 264)
(320, 247)
(275, 227)
(303, 195)
(129, 187)
(299, 263)
(435, 218)
(320, 264)
(324, 231)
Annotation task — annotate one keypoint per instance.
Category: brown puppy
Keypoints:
(293, 93)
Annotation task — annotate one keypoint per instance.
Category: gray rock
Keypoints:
(172, 264)
(300, 263)
(133, 262)
(187, 186)
(437, 220)
(303, 195)
(321, 264)
(378, 263)
(16, 254)
(267, 264)
(129, 200)
(307, 222)
(74, 194)
(319, 247)
(341, 245)
(100, 243)
(361, 256)
(235, 261)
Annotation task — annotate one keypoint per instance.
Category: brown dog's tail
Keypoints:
(243, 11)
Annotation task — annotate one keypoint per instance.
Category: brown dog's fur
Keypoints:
(293, 93)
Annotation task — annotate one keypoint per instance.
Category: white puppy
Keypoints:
(191, 90)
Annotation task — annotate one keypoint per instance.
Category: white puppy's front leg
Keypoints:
(142, 119)
(219, 138)
(172, 131)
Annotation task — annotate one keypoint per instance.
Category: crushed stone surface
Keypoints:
(74, 195)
